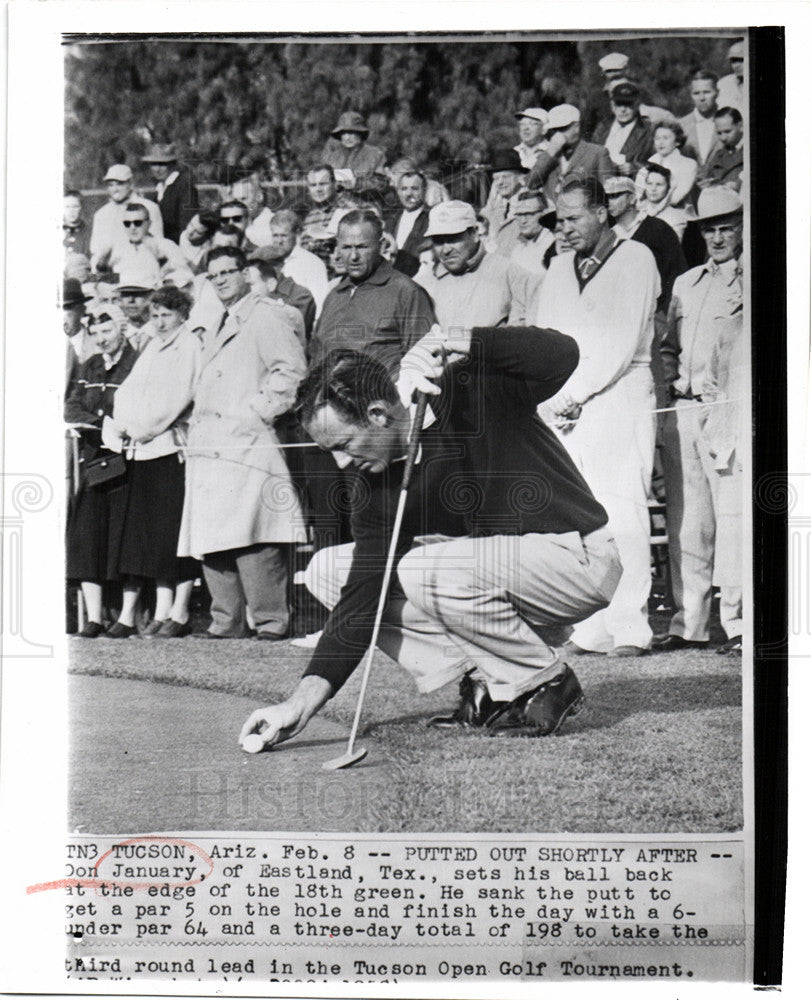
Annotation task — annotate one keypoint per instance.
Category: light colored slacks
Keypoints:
(697, 501)
(612, 444)
(471, 604)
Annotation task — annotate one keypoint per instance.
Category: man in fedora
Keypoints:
(108, 222)
(704, 298)
(468, 285)
(531, 124)
(80, 345)
(177, 196)
(358, 163)
(509, 175)
(567, 154)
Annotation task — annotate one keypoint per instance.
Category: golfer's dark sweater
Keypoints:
(488, 466)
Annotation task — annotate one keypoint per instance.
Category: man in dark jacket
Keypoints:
(524, 542)
(176, 194)
(410, 224)
(627, 136)
(567, 154)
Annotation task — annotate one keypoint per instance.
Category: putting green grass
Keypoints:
(657, 748)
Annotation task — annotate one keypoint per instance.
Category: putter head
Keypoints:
(347, 760)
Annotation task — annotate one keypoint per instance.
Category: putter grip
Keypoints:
(414, 440)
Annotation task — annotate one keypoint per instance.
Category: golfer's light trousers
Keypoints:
(472, 603)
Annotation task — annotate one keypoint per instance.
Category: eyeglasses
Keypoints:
(232, 218)
(224, 274)
(134, 222)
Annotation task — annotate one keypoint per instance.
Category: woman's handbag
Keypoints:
(105, 470)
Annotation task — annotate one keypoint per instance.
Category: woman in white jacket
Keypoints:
(150, 413)
(668, 140)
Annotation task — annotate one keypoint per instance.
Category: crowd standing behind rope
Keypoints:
(190, 327)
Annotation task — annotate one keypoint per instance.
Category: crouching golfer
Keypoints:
(500, 533)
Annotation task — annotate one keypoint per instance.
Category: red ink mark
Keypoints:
(98, 881)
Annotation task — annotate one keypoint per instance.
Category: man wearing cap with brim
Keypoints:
(177, 196)
(468, 285)
(108, 222)
(615, 67)
(134, 290)
(567, 154)
(626, 135)
(604, 295)
(347, 150)
(704, 298)
(531, 125)
(732, 87)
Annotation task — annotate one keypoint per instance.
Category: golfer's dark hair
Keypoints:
(349, 381)
(590, 187)
(235, 253)
(360, 216)
(172, 298)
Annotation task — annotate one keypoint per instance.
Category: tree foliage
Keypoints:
(231, 103)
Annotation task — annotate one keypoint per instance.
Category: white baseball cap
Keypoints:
(449, 218)
(118, 172)
(562, 116)
(613, 62)
(537, 114)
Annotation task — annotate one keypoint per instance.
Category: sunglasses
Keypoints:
(134, 222)
(232, 218)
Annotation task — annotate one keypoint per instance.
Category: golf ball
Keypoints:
(253, 743)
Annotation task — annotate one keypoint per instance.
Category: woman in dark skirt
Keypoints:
(97, 515)
(150, 414)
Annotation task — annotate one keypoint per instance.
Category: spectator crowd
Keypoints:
(190, 326)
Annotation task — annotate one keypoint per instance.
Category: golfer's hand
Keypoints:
(428, 359)
(277, 723)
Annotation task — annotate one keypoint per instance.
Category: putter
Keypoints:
(352, 756)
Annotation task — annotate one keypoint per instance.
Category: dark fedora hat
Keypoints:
(351, 121)
(72, 294)
(161, 153)
(507, 159)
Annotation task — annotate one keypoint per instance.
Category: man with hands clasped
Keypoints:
(517, 540)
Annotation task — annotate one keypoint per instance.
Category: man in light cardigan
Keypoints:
(604, 295)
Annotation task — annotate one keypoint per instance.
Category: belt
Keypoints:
(685, 395)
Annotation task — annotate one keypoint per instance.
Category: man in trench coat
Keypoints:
(241, 509)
